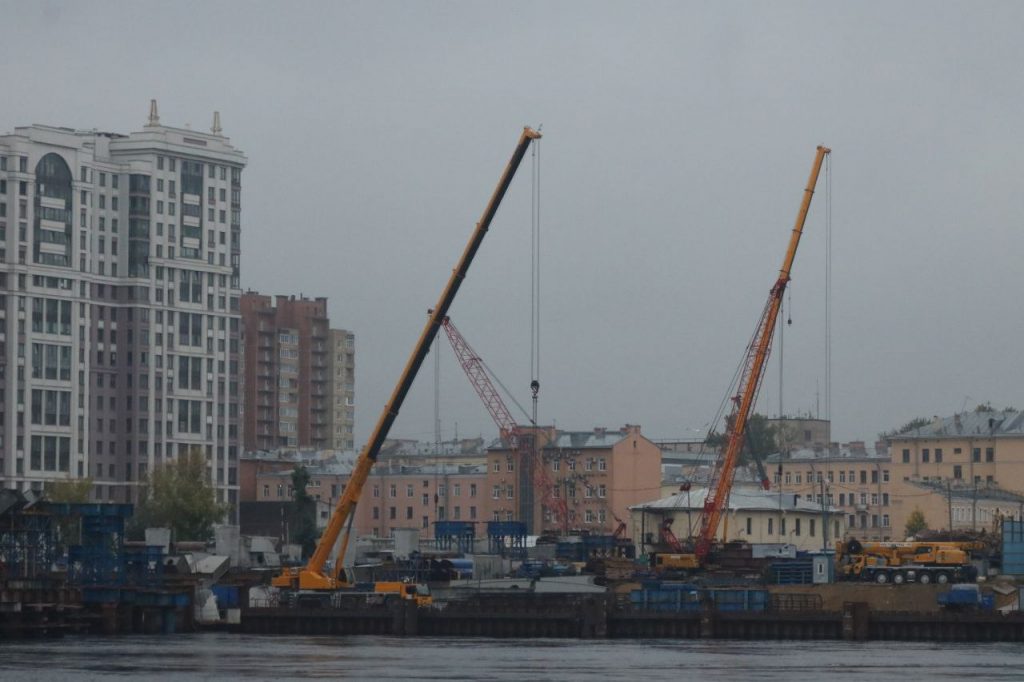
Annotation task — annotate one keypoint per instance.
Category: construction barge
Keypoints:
(606, 616)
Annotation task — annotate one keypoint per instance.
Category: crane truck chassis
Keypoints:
(906, 562)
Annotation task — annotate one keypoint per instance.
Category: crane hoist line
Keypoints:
(312, 576)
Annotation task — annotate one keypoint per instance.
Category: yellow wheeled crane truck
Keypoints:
(906, 562)
(313, 581)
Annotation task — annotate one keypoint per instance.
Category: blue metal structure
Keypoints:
(507, 538)
(1013, 547)
(27, 538)
(455, 536)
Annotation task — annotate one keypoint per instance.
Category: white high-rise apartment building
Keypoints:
(119, 305)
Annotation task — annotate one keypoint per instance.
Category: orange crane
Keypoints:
(312, 576)
(508, 429)
(750, 381)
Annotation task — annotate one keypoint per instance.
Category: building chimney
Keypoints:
(154, 117)
(215, 128)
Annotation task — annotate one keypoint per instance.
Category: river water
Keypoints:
(211, 656)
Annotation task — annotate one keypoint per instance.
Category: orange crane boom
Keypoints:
(312, 576)
(750, 379)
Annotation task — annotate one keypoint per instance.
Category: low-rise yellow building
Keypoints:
(753, 515)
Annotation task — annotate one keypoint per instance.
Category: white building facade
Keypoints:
(119, 290)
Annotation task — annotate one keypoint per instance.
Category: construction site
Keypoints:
(531, 571)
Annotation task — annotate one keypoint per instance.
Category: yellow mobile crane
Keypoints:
(312, 576)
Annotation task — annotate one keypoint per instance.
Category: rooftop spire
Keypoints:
(154, 117)
(215, 128)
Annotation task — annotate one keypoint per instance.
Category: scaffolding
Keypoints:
(27, 539)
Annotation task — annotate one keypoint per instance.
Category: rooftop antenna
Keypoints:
(154, 117)
(215, 128)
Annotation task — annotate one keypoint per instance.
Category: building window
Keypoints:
(906, 456)
(958, 472)
(925, 455)
(938, 455)
(409, 491)
(392, 513)
(602, 490)
(393, 490)
(885, 475)
(510, 465)
(810, 527)
(496, 492)
(796, 527)
(976, 454)
(990, 454)
(472, 489)
(602, 464)
(496, 467)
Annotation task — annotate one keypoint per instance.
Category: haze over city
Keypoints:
(677, 142)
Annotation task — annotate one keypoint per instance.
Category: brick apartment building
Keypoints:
(298, 375)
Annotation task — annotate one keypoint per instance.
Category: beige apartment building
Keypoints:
(852, 478)
(972, 458)
(597, 475)
(394, 497)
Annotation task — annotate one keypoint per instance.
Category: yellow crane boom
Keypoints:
(312, 576)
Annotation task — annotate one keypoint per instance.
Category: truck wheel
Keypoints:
(925, 578)
(899, 578)
(881, 578)
(942, 578)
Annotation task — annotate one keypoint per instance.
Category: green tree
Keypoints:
(912, 425)
(302, 515)
(759, 440)
(178, 495)
(74, 491)
(70, 491)
(916, 523)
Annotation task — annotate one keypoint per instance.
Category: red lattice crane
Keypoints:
(510, 431)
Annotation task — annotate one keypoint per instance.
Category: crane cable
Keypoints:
(828, 287)
(535, 272)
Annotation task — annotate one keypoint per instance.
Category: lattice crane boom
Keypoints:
(751, 376)
(511, 432)
(474, 368)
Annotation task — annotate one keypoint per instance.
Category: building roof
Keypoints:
(740, 499)
(598, 438)
(985, 493)
(852, 451)
(345, 469)
(1005, 424)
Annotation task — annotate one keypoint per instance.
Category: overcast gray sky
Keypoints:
(677, 141)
